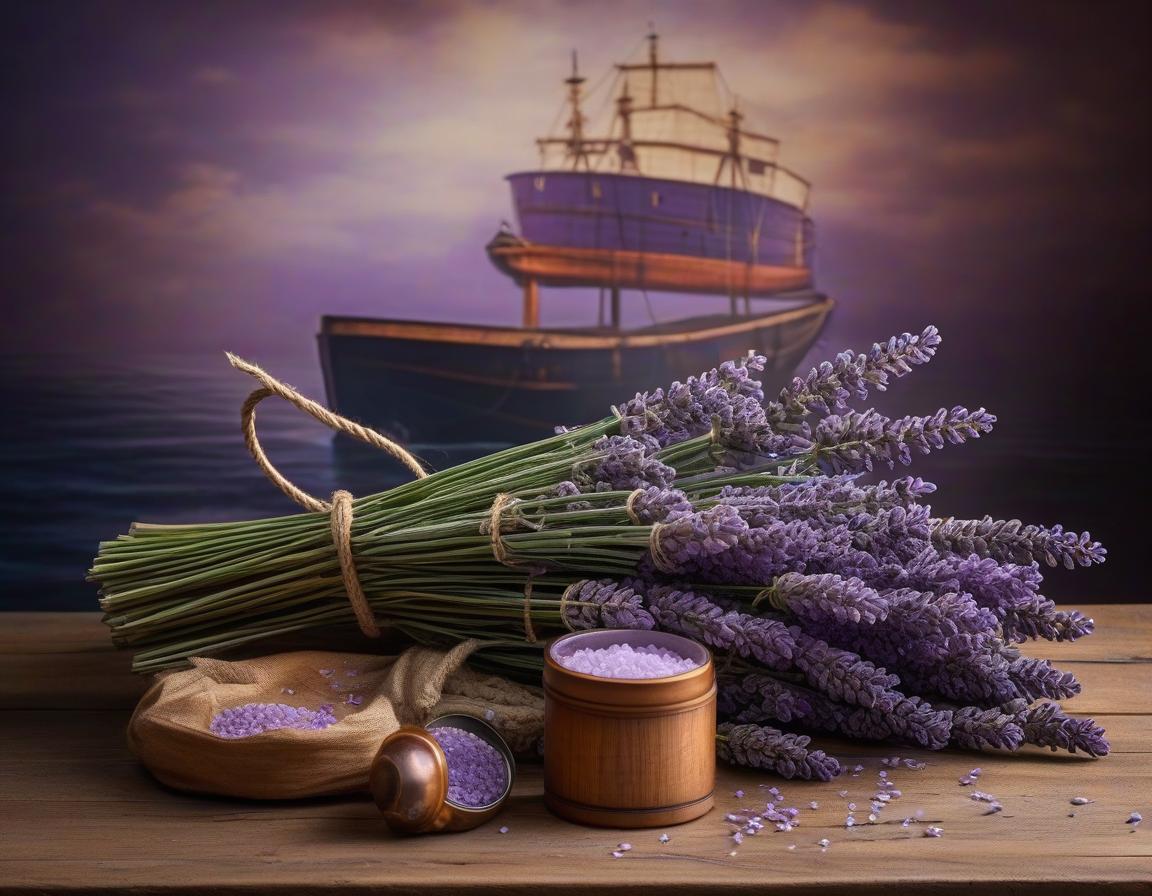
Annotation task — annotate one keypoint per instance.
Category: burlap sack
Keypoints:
(169, 731)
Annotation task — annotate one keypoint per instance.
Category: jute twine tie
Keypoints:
(493, 526)
(339, 509)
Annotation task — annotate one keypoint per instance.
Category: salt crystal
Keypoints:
(626, 661)
(664, 838)
(823, 844)
(791, 845)
(624, 847)
(287, 691)
(933, 831)
(842, 794)
(256, 718)
(914, 763)
(851, 806)
(1080, 801)
(849, 822)
(872, 817)
(981, 796)
(966, 780)
(993, 808)
(739, 794)
(976, 772)
(1134, 818)
(477, 772)
(504, 829)
(813, 805)
(616, 854)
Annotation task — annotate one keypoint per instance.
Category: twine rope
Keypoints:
(339, 508)
(630, 506)
(564, 598)
(663, 563)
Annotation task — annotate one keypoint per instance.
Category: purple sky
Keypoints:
(200, 174)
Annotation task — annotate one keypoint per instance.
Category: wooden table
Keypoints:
(77, 813)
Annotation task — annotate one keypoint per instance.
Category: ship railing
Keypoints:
(671, 160)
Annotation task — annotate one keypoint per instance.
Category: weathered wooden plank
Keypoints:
(1123, 632)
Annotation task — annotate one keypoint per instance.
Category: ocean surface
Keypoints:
(93, 443)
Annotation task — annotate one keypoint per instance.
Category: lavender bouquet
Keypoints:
(832, 604)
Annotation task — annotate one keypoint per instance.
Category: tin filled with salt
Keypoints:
(450, 775)
(629, 728)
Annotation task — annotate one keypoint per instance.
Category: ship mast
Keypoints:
(576, 148)
(653, 62)
(624, 149)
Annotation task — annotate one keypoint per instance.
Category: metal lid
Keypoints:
(409, 779)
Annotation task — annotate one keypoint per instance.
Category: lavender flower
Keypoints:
(842, 675)
(689, 539)
(698, 616)
(829, 387)
(827, 598)
(659, 505)
(603, 603)
(788, 755)
(1012, 540)
(1046, 725)
(1037, 617)
(1036, 678)
(977, 729)
(908, 719)
(758, 698)
(853, 442)
(621, 463)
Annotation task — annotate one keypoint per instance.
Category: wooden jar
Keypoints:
(629, 753)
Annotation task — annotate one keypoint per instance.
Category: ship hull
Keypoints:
(631, 231)
(451, 383)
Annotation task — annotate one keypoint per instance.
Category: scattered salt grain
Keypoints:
(976, 772)
(626, 661)
(1080, 801)
(981, 797)
(354, 700)
(616, 854)
(327, 672)
(791, 845)
(813, 805)
(287, 691)
(851, 807)
(914, 764)
(872, 817)
(664, 838)
(624, 847)
(933, 831)
(823, 844)
(477, 772)
(966, 780)
(739, 794)
(842, 794)
(1134, 818)
(504, 829)
(256, 718)
(993, 808)
(849, 822)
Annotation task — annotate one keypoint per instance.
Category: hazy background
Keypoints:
(179, 178)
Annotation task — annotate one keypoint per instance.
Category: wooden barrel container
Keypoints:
(629, 753)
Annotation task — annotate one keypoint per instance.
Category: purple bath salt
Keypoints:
(477, 772)
(256, 718)
(626, 661)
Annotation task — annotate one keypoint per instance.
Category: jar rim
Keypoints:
(604, 637)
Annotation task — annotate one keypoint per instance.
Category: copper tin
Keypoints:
(409, 779)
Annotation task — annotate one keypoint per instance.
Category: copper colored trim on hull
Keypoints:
(545, 339)
(553, 266)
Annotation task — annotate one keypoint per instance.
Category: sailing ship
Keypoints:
(676, 193)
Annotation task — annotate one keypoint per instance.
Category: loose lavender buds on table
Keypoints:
(626, 661)
(477, 773)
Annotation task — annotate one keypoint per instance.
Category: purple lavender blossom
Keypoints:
(851, 443)
(976, 728)
(623, 463)
(1038, 617)
(1046, 725)
(699, 616)
(828, 500)
(660, 505)
(686, 540)
(756, 697)
(756, 746)
(827, 598)
(829, 387)
(908, 719)
(604, 603)
(1012, 540)
(843, 675)
(1036, 678)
